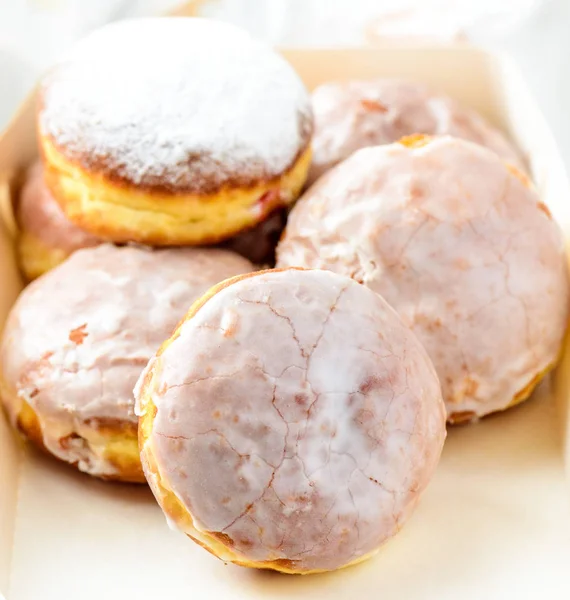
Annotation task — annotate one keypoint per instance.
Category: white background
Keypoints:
(535, 32)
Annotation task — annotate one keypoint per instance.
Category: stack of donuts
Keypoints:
(286, 418)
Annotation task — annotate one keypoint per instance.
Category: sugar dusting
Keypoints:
(176, 103)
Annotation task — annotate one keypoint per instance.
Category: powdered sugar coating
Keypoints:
(297, 419)
(459, 246)
(176, 104)
(356, 114)
(78, 337)
(41, 216)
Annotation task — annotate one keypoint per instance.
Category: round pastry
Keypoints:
(461, 246)
(78, 338)
(47, 237)
(291, 422)
(173, 131)
(351, 115)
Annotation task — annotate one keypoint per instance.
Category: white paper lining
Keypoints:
(494, 523)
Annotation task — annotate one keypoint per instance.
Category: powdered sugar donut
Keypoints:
(356, 114)
(47, 237)
(291, 422)
(461, 246)
(173, 131)
(78, 338)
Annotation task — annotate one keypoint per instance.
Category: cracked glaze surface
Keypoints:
(297, 419)
(78, 337)
(459, 246)
(356, 114)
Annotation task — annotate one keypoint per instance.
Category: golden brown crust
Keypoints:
(113, 427)
(35, 258)
(462, 417)
(415, 141)
(128, 468)
(28, 425)
(124, 212)
(199, 185)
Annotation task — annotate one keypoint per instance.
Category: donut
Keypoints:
(461, 246)
(350, 115)
(173, 131)
(78, 338)
(291, 422)
(47, 237)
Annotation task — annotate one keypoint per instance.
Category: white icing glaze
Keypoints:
(177, 102)
(459, 246)
(356, 114)
(297, 416)
(78, 337)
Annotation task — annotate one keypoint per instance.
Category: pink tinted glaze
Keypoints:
(79, 336)
(459, 246)
(40, 215)
(297, 416)
(357, 114)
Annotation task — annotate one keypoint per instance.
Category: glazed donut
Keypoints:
(461, 246)
(351, 115)
(47, 237)
(291, 422)
(173, 131)
(78, 338)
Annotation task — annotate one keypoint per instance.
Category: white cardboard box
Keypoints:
(494, 523)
